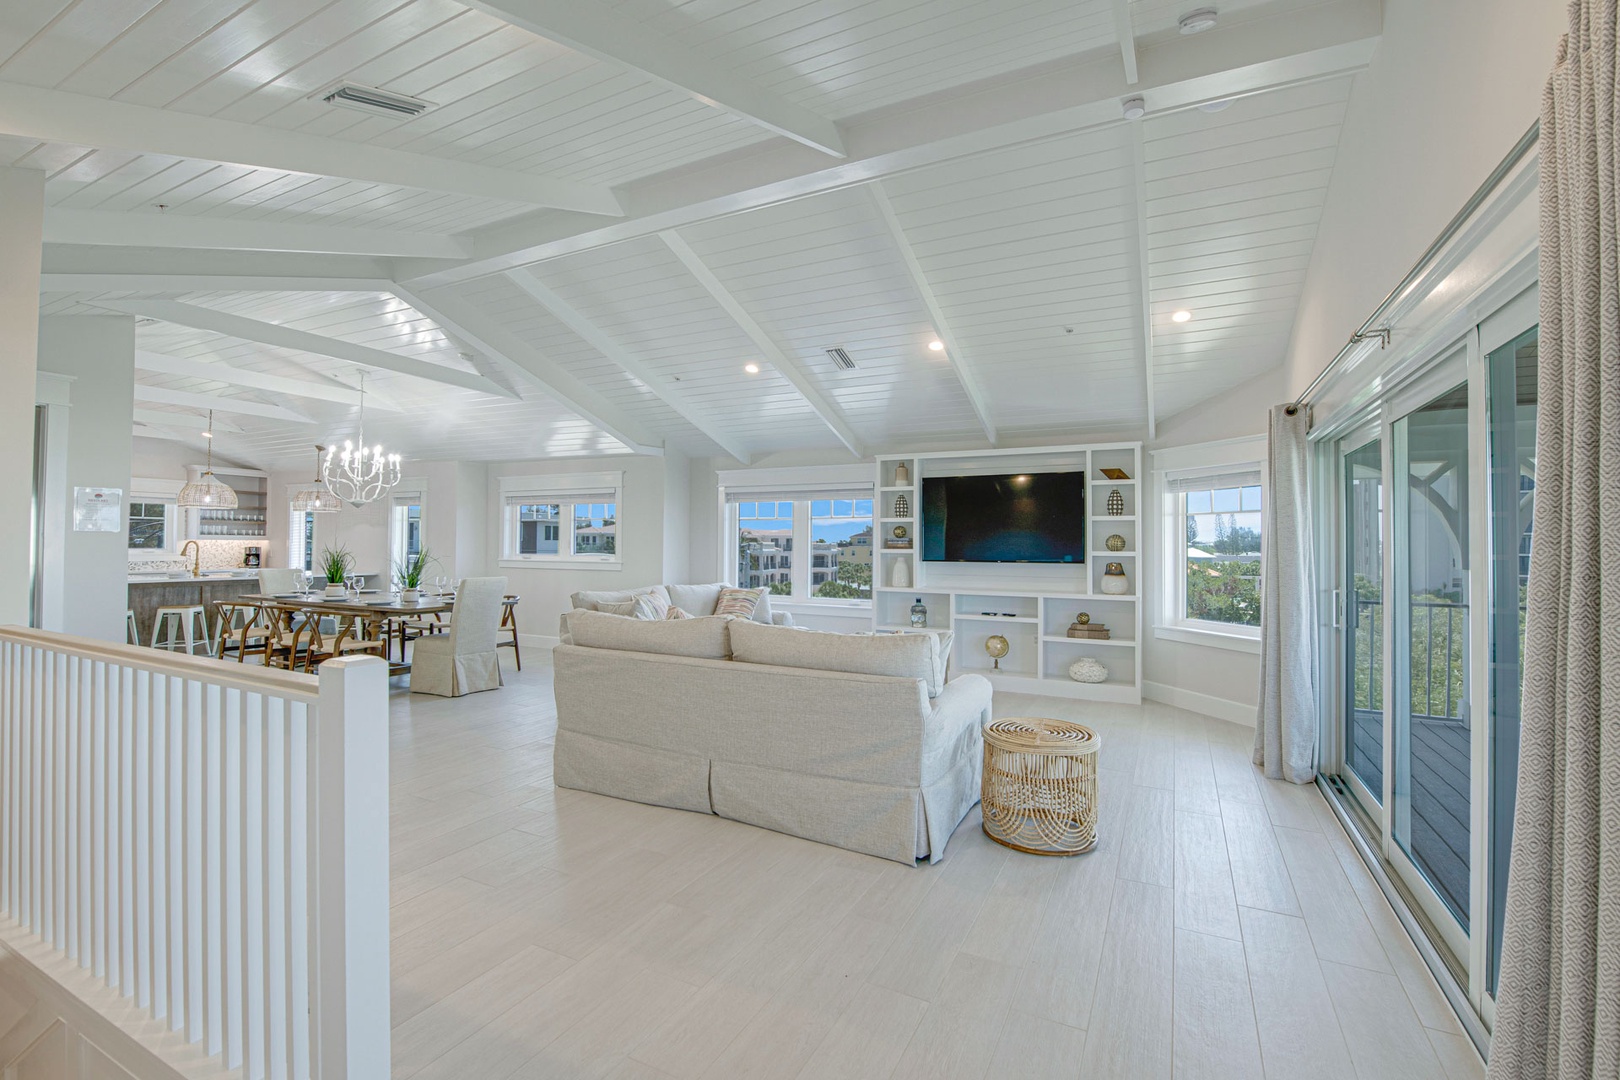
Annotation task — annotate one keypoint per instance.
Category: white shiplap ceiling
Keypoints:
(602, 238)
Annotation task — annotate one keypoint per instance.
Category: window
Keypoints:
(560, 519)
(811, 542)
(149, 526)
(405, 527)
(1212, 498)
(301, 540)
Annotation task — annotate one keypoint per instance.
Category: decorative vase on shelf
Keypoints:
(1116, 503)
(900, 574)
(902, 475)
(1087, 670)
(1114, 581)
(919, 614)
(902, 506)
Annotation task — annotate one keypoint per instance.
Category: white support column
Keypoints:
(22, 194)
(349, 780)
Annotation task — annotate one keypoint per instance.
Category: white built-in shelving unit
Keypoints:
(1029, 604)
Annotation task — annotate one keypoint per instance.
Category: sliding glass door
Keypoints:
(1432, 497)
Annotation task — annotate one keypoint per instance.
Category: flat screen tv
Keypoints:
(1021, 517)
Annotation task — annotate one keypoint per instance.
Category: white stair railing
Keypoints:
(209, 839)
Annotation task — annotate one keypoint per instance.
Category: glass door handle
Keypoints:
(1338, 609)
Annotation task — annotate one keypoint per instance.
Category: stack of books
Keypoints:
(1090, 631)
(894, 543)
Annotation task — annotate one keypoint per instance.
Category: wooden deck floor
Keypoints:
(1440, 798)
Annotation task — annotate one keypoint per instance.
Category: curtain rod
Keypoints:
(1453, 227)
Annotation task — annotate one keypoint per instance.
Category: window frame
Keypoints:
(1188, 462)
(401, 501)
(166, 492)
(565, 491)
(802, 488)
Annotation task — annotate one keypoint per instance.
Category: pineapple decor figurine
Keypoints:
(1116, 503)
(902, 506)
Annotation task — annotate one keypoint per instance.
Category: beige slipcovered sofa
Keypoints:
(692, 599)
(855, 740)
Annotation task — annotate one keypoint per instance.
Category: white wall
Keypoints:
(22, 194)
(1452, 87)
(98, 353)
(545, 590)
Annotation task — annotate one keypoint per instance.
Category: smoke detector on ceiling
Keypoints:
(840, 358)
(368, 99)
(1196, 22)
(1134, 108)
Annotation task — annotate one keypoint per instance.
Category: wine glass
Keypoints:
(309, 581)
(359, 585)
(439, 583)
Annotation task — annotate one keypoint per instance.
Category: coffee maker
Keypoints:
(251, 558)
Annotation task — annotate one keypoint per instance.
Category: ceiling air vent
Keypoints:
(369, 99)
(841, 359)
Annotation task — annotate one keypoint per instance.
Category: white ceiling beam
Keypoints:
(954, 353)
(183, 421)
(778, 357)
(572, 318)
(1075, 96)
(1143, 268)
(486, 334)
(75, 268)
(32, 112)
(601, 34)
(110, 228)
(1127, 39)
(158, 396)
(285, 337)
(255, 380)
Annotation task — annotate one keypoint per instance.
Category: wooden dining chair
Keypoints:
(243, 629)
(509, 625)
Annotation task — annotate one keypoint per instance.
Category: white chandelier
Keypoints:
(207, 492)
(360, 476)
(316, 500)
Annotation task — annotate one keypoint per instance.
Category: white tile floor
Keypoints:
(1222, 928)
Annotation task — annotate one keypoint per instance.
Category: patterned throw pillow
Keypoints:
(677, 613)
(739, 602)
(651, 605)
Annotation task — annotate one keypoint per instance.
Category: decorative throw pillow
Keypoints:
(650, 605)
(739, 602)
(677, 613)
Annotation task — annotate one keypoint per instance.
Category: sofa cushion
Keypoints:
(593, 601)
(701, 599)
(707, 637)
(739, 602)
(907, 656)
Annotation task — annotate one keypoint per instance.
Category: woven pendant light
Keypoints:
(207, 492)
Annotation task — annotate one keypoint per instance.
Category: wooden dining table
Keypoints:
(369, 610)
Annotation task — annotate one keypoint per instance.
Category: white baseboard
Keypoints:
(538, 641)
(1207, 704)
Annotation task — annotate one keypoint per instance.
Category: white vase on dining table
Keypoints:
(410, 596)
(336, 591)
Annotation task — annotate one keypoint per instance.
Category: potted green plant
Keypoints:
(335, 566)
(409, 573)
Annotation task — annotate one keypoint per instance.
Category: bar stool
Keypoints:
(509, 625)
(187, 627)
(132, 631)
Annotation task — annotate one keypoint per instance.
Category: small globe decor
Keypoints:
(1087, 670)
(996, 646)
(1115, 543)
(900, 532)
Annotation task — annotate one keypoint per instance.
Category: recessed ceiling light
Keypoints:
(1181, 316)
(1134, 108)
(752, 369)
(1196, 22)
(208, 434)
(936, 345)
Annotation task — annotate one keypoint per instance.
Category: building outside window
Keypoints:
(1210, 525)
(561, 519)
(804, 544)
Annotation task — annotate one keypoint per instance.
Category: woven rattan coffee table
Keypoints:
(1040, 785)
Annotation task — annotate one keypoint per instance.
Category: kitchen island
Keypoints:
(147, 593)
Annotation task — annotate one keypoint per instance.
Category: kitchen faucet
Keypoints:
(196, 556)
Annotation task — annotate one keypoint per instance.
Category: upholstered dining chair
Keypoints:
(463, 660)
(277, 581)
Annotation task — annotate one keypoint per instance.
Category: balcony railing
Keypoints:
(1438, 633)
(208, 841)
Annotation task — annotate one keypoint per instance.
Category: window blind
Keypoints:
(798, 492)
(1206, 480)
(545, 498)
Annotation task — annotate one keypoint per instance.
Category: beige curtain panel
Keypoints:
(1558, 1001)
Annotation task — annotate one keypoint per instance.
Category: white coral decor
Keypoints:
(1087, 670)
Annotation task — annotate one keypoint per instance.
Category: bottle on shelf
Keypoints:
(919, 614)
